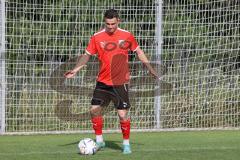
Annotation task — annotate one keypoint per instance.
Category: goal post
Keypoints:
(2, 67)
(159, 41)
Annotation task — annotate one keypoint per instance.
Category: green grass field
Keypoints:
(199, 145)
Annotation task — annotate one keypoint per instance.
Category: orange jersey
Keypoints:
(112, 51)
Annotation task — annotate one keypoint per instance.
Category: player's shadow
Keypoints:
(116, 145)
(69, 144)
(113, 145)
(109, 144)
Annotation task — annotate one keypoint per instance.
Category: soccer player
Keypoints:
(111, 45)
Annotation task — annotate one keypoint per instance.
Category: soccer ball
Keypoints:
(87, 146)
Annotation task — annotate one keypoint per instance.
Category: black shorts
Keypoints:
(104, 94)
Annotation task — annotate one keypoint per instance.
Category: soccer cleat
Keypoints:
(100, 145)
(127, 149)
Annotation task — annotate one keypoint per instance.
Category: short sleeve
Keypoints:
(91, 48)
(134, 44)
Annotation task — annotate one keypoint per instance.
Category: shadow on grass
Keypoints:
(69, 144)
(115, 145)
(109, 144)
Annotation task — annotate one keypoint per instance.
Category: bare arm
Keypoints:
(82, 60)
(142, 57)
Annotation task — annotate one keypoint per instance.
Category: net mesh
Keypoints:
(201, 52)
(200, 64)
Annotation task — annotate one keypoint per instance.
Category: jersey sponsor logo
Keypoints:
(124, 44)
(110, 46)
(102, 44)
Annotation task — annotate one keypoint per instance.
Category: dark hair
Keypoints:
(111, 13)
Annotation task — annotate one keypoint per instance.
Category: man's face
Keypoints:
(111, 25)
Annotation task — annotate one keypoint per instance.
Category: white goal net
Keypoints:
(194, 45)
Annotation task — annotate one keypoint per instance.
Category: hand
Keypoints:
(70, 74)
